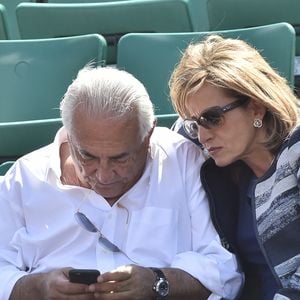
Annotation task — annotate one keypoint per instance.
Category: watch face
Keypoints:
(163, 287)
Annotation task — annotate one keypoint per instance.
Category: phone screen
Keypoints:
(85, 276)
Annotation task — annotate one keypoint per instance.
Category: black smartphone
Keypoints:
(85, 276)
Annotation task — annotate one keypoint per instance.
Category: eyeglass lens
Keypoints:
(191, 128)
(210, 118)
(85, 223)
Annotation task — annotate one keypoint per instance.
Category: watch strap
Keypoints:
(159, 273)
(160, 276)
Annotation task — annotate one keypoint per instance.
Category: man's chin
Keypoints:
(108, 195)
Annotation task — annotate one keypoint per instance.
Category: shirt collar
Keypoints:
(54, 160)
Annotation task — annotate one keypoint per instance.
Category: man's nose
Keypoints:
(104, 173)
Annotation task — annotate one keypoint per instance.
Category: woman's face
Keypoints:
(235, 138)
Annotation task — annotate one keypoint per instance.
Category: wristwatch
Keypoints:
(161, 284)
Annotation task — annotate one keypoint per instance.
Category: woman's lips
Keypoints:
(214, 150)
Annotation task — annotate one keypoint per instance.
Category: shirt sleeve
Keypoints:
(11, 267)
(209, 262)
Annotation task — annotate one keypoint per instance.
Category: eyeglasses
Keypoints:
(210, 118)
(85, 223)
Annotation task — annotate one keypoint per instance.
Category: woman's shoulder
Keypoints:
(290, 151)
(294, 137)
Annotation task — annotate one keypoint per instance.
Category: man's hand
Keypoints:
(135, 283)
(48, 286)
(127, 282)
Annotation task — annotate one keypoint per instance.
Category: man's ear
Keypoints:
(148, 136)
(154, 123)
(152, 129)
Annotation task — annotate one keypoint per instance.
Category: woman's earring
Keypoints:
(257, 123)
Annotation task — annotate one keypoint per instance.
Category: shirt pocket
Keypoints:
(152, 235)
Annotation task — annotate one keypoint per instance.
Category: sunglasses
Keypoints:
(210, 118)
(85, 223)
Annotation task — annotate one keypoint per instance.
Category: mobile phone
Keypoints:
(85, 276)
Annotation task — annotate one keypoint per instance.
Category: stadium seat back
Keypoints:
(35, 73)
(34, 76)
(110, 19)
(152, 57)
(4, 167)
(3, 23)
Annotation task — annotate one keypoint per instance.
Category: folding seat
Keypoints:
(34, 76)
(233, 14)
(4, 167)
(3, 23)
(151, 57)
(110, 19)
(11, 21)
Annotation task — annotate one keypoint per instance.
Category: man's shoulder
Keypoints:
(36, 162)
(172, 143)
(166, 136)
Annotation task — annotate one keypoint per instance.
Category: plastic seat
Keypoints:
(151, 57)
(232, 14)
(4, 167)
(34, 76)
(75, 1)
(10, 11)
(166, 120)
(3, 23)
(110, 19)
(19, 138)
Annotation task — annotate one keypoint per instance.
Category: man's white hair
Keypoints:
(105, 92)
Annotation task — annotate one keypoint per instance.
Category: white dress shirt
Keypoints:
(162, 221)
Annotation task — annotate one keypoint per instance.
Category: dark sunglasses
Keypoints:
(210, 118)
(85, 223)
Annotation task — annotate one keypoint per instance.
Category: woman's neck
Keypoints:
(260, 163)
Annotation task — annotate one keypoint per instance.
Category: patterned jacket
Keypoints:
(276, 206)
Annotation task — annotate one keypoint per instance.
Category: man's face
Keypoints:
(109, 154)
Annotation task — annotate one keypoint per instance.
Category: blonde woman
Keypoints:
(244, 115)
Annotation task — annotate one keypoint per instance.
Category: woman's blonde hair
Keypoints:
(240, 69)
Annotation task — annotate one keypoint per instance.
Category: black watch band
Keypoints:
(161, 284)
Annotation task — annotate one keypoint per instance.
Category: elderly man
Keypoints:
(114, 193)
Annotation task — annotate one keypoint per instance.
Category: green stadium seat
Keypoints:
(10, 10)
(110, 19)
(19, 138)
(75, 1)
(166, 120)
(151, 57)
(233, 14)
(3, 23)
(34, 76)
(5, 166)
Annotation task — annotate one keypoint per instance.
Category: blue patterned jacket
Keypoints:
(276, 206)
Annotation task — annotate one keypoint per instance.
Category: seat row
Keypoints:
(35, 74)
(57, 18)
(112, 19)
(40, 58)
